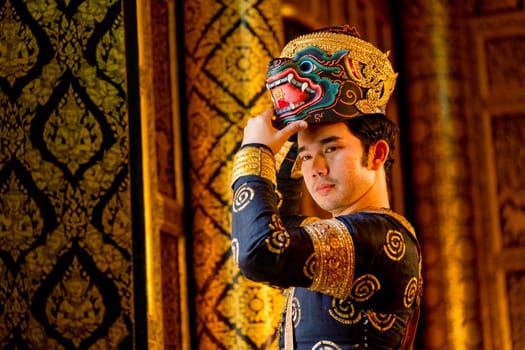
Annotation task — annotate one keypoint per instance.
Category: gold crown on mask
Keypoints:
(378, 76)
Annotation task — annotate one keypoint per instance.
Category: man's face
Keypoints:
(332, 166)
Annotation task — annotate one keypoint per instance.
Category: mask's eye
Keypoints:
(306, 66)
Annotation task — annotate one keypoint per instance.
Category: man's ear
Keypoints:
(378, 154)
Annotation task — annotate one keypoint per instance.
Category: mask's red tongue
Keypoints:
(287, 94)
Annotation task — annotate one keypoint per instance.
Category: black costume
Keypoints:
(356, 276)
(354, 281)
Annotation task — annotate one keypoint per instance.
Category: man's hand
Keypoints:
(260, 130)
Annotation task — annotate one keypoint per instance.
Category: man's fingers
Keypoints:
(268, 113)
(293, 128)
(260, 130)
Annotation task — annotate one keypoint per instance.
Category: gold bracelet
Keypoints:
(252, 160)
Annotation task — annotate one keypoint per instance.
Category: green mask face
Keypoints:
(329, 85)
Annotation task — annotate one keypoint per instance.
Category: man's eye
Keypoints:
(330, 149)
(306, 66)
(304, 157)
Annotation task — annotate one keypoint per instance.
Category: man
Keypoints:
(353, 280)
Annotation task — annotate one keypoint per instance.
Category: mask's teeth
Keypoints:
(289, 108)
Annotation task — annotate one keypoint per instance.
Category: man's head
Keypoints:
(345, 165)
(327, 76)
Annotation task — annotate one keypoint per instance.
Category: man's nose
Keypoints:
(319, 166)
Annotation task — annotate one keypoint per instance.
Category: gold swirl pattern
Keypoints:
(395, 247)
(242, 197)
(280, 238)
(381, 322)
(235, 251)
(279, 198)
(335, 257)
(344, 311)
(411, 291)
(326, 345)
(365, 287)
(309, 267)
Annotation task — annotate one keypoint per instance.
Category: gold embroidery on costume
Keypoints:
(309, 220)
(344, 311)
(253, 160)
(399, 218)
(395, 247)
(235, 251)
(326, 345)
(309, 267)
(381, 322)
(334, 255)
(281, 155)
(279, 198)
(411, 292)
(280, 238)
(365, 287)
(242, 197)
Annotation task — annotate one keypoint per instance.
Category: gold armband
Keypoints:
(334, 250)
(252, 160)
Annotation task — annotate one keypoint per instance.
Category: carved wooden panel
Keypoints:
(168, 186)
(498, 129)
(492, 6)
(165, 255)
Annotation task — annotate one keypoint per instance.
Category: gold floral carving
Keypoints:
(65, 211)
(227, 47)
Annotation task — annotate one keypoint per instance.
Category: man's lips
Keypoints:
(324, 189)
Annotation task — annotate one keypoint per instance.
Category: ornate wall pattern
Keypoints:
(434, 52)
(227, 45)
(65, 229)
(498, 126)
(506, 244)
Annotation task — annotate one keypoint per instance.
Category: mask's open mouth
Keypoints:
(292, 93)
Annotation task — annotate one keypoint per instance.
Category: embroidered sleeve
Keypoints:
(254, 160)
(334, 257)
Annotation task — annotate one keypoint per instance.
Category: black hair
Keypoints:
(371, 128)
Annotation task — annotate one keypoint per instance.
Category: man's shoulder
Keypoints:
(377, 218)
